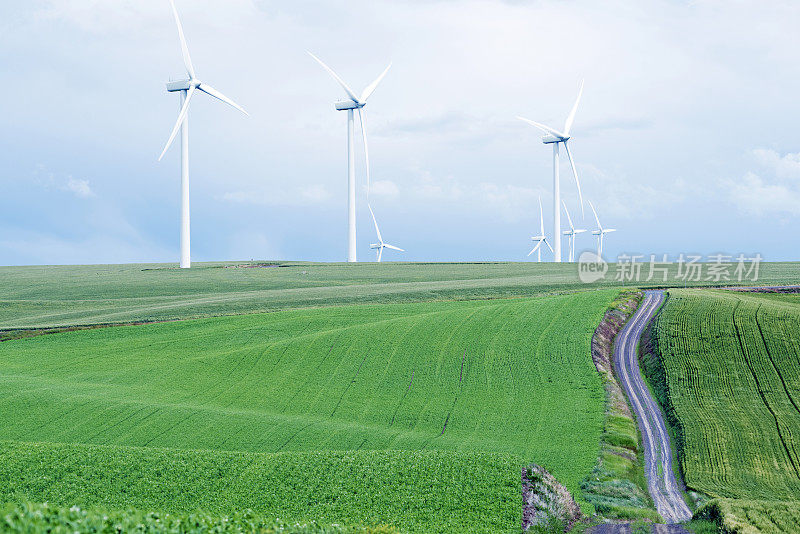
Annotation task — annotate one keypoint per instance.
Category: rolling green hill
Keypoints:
(731, 383)
(508, 379)
(41, 297)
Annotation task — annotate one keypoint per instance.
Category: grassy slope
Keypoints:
(502, 377)
(78, 295)
(732, 364)
(49, 519)
(415, 491)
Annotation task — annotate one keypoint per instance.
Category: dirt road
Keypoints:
(661, 481)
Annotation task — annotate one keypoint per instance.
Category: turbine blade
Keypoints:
(377, 230)
(539, 244)
(207, 89)
(362, 119)
(546, 242)
(571, 118)
(542, 127)
(575, 174)
(394, 248)
(596, 218)
(336, 77)
(374, 85)
(569, 220)
(541, 217)
(187, 60)
(181, 118)
(609, 230)
(380, 253)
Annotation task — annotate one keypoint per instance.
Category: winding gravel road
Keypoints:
(661, 480)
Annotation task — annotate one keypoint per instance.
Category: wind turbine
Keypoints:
(600, 232)
(355, 102)
(380, 245)
(187, 89)
(572, 232)
(555, 137)
(541, 238)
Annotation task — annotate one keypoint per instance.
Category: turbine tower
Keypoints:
(187, 88)
(571, 233)
(380, 245)
(355, 103)
(541, 238)
(555, 138)
(600, 232)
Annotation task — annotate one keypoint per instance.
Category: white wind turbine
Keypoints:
(187, 89)
(541, 238)
(555, 137)
(571, 233)
(380, 245)
(600, 232)
(355, 102)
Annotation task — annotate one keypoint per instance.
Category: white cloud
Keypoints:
(783, 166)
(755, 196)
(774, 192)
(81, 188)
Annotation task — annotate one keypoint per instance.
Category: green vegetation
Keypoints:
(415, 491)
(739, 516)
(43, 518)
(355, 401)
(43, 297)
(617, 486)
(726, 366)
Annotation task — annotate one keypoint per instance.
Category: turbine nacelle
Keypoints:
(183, 85)
(549, 139)
(344, 105)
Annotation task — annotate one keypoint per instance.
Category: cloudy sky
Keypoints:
(686, 140)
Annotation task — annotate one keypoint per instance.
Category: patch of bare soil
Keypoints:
(603, 354)
(770, 289)
(252, 266)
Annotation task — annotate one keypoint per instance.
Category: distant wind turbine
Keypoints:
(187, 89)
(355, 102)
(541, 238)
(380, 245)
(571, 233)
(600, 232)
(555, 137)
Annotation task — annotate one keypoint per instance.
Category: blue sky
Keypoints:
(686, 139)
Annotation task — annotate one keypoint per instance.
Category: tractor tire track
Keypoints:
(772, 361)
(760, 389)
(661, 481)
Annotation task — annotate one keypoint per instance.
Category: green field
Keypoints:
(447, 397)
(37, 297)
(753, 517)
(414, 491)
(30, 518)
(731, 384)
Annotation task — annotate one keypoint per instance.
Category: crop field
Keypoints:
(41, 297)
(453, 391)
(754, 517)
(415, 491)
(732, 387)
